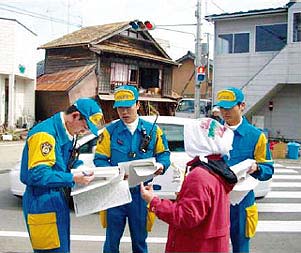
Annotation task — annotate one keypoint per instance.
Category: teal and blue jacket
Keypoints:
(117, 144)
(44, 171)
(249, 143)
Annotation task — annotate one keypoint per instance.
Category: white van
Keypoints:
(185, 108)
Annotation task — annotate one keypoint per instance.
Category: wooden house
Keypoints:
(94, 60)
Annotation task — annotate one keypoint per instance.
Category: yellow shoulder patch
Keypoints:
(159, 143)
(41, 150)
(103, 146)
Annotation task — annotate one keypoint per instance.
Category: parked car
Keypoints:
(185, 108)
(164, 185)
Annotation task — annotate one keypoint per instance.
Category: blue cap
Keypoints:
(92, 113)
(125, 96)
(229, 97)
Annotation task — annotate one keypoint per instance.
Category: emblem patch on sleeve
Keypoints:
(100, 138)
(46, 147)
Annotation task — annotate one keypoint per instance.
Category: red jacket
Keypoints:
(199, 220)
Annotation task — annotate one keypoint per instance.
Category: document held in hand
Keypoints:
(139, 170)
(107, 190)
(245, 181)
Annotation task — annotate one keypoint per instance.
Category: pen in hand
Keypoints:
(86, 173)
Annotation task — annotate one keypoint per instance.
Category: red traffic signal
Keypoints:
(149, 25)
(271, 105)
(201, 70)
(138, 25)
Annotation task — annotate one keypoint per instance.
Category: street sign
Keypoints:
(201, 73)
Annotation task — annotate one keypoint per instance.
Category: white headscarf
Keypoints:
(207, 136)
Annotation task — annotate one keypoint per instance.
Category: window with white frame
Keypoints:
(233, 43)
(270, 37)
(123, 74)
(297, 27)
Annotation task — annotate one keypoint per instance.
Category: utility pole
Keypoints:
(198, 55)
(208, 67)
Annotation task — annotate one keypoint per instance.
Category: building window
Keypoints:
(149, 78)
(233, 43)
(123, 74)
(297, 27)
(270, 37)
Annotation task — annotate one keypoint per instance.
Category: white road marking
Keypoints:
(90, 238)
(263, 226)
(284, 194)
(279, 226)
(284, 171)
(294, 167)
(288, 177)
(279, 208)
(285, 184)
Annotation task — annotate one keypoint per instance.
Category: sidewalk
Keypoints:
(10, 154)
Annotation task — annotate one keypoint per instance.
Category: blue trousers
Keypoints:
(136, 213)
(240, 243)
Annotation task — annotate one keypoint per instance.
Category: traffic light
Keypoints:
(201, 73)
(271, 105)
(138, 25)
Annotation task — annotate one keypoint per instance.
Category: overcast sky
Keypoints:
(96, 12)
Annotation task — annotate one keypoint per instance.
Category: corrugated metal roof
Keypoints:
(130, 50)
(63, 80)
(86, 35)
(246, 13)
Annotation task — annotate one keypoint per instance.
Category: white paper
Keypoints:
(139, 170)
(245, 181)
(102, 198)
(107, 190)
(103, 176)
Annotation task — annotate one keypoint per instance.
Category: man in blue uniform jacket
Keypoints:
(248, 142)
(130, 138)
(45, 170)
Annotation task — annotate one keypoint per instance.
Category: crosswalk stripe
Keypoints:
(284, 171)
(278, 207)
(284, 194)
(279, 226)
(293, 167)
(285, 184)
(288, 177)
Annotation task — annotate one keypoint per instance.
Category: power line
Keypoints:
(177, 25)
(35, 15)
(173, 30)
(217, 6)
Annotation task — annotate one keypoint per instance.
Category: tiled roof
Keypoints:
(189, 55)
(130, 50)
(86, 35)
(63, 80)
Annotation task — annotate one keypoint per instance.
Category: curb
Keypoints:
(11, 143)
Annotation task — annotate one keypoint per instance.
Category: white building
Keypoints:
(259, 51)
(17, 73)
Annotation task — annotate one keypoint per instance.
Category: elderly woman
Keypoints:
(199, 220)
